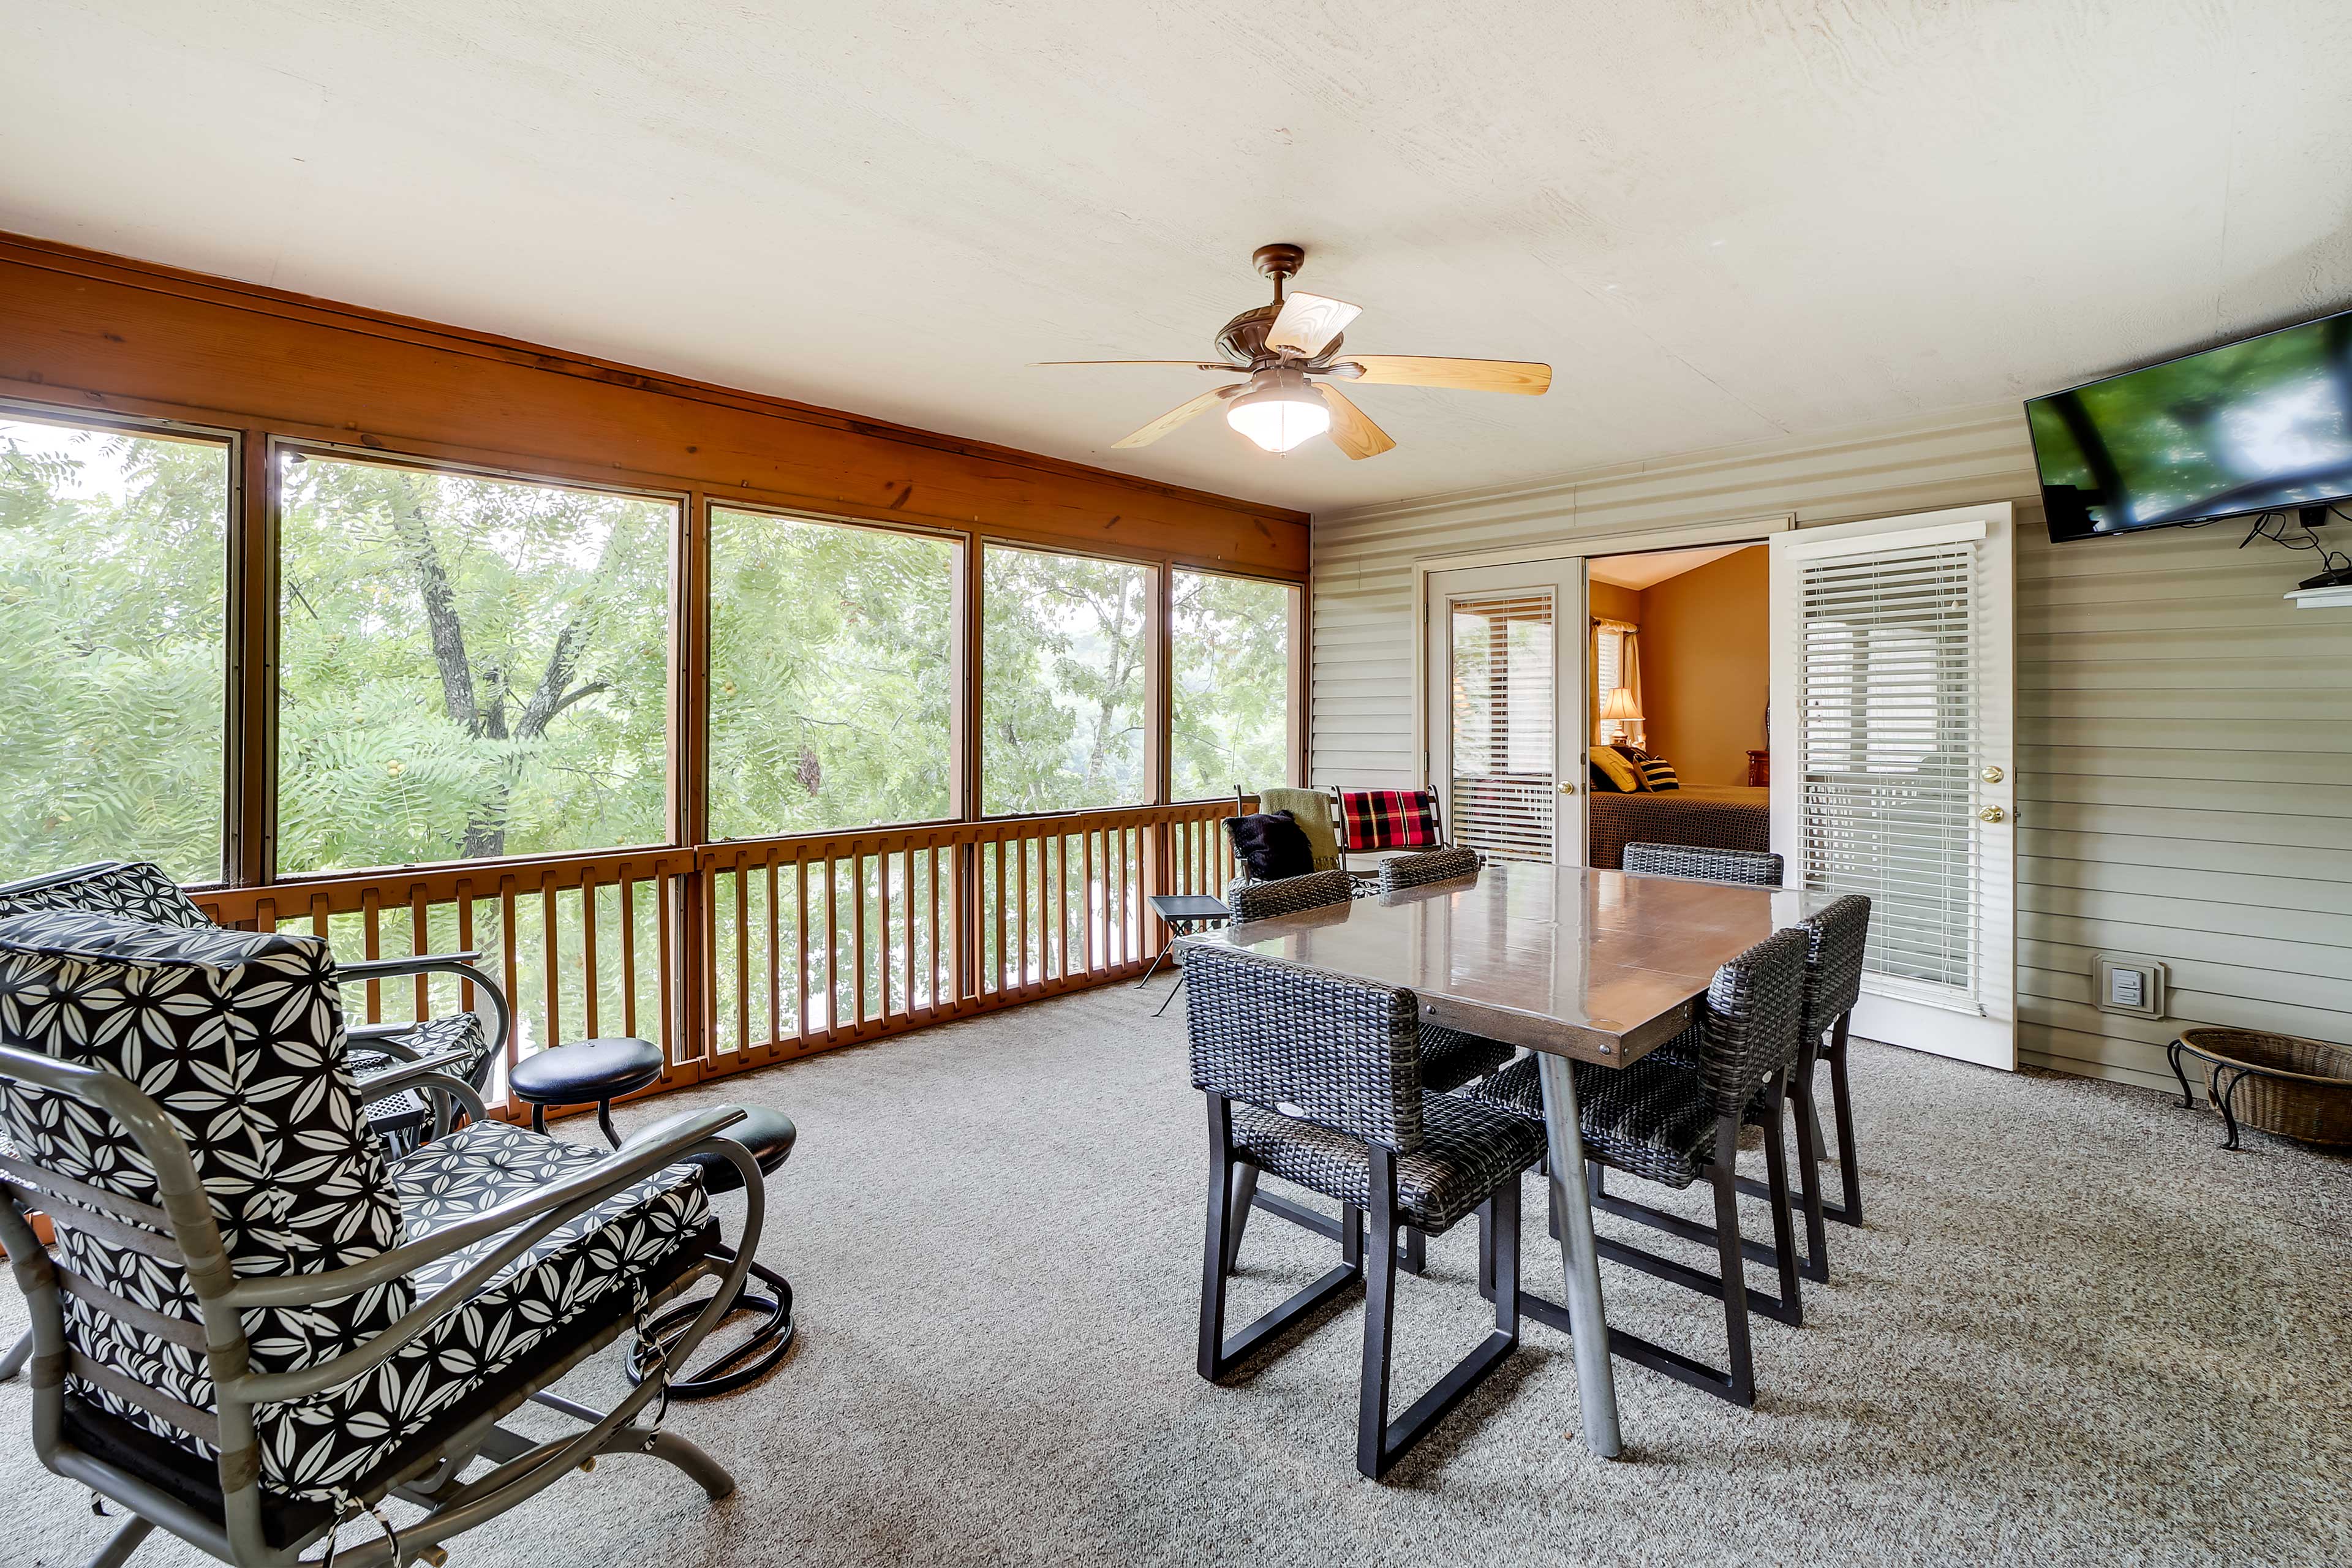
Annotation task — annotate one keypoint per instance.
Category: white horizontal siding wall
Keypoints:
(2185, 736)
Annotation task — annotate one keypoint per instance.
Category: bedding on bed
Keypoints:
(1704, 817)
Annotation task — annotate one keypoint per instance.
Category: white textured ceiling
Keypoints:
(1719, 222)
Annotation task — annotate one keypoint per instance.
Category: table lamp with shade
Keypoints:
(1619, 709)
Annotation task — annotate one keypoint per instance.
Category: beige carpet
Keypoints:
(2074, 1332)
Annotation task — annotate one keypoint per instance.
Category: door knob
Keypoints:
(1993, 775)
(1568, 789)
(1991, 813)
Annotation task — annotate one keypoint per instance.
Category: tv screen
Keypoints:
(2248, 427)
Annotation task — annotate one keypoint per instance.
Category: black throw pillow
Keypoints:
(1272, 845)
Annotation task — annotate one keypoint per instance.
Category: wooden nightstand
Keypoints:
(1760, 770)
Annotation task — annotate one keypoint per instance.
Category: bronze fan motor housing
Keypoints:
(1279, 346)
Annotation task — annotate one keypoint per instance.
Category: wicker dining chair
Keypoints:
(1836, 938)
(1315, 1078)
(1700, 865)
(1448, 1059)
(468, 1043)
(1674, 1117)
(250, 1326)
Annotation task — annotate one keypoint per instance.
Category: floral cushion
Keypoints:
(138, 890)
(591, 1264)
(238, 1036)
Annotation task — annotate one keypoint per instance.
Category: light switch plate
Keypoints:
(2121, 982)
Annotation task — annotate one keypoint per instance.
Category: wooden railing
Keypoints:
(737, 955)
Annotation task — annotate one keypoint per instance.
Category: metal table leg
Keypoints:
(1580, 1258)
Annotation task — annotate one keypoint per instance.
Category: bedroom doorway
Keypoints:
(1680, 696)
(1503, 657)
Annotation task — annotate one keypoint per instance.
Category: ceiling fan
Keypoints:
(1284, 346)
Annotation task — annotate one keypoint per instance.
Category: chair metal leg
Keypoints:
(123, 1543)
(1379, 1319)
(12, 1360)
(1217, 1354)
(1784, 1230)
(1808, 1171)
(1245, 1193)
(1742, 1360)
(1849, 1212)
(668, 1445)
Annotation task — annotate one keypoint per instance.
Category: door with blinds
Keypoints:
(1893, 775)
(1503, 710)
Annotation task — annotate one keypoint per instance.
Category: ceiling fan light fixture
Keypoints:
(1281, 415)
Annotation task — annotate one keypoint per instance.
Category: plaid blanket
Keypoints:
(1388, 819)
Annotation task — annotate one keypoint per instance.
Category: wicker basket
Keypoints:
(2314, 1105)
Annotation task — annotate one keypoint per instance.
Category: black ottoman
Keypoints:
(769, 1136)
(591, 1072)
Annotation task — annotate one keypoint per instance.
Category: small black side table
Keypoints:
(589, 1072)
(1182, 913)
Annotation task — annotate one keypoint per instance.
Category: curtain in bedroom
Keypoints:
(1616, 662)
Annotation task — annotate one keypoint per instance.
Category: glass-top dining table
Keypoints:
(1573, 963)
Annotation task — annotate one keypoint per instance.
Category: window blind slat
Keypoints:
(1503, 739)
(1889, 738)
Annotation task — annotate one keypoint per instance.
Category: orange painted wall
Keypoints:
(1706, 666)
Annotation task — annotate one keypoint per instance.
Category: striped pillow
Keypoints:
(1659, 774)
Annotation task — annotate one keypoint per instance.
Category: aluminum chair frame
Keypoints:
(181, 1231)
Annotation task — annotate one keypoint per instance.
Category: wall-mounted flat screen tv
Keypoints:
(2249, 427)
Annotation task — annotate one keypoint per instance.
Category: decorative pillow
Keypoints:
(1659, 774)
(1610, 771)
(1272, 845)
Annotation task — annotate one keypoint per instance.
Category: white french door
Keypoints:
(1503, 710)
(1893, 771)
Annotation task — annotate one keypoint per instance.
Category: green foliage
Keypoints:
(113, 599)
(830, 663)
(1061, 682)
(472, 667)
(1229, 715)
(468, 667)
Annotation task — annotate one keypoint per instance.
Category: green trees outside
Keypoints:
(830, 653)
(1229, 656)
(113, 631)
(468, 667)
(1062, 686)
(472, 667)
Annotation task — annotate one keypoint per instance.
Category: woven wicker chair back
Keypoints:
(1749, 1028)
(1286, 895)
(1398, 872)
(1703, 864)
(1835, 939)
(1343, 1054)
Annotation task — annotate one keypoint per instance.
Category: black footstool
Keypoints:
(768, 1135)
(591, 1072)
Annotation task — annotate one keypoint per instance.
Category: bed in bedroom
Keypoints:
(1705, 817)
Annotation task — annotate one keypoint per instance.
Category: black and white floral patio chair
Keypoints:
(467, 1044)
(252, 1325)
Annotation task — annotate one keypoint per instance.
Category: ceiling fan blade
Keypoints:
(1170, 364)
(1172, 418)
(1352, 431)
(1522, 376)
(1307, 321)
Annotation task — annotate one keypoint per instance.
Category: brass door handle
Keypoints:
(1992, 814)
(1568, 789)
(1993, 773)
